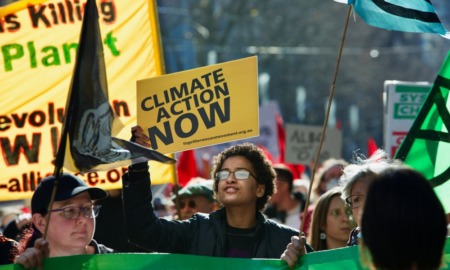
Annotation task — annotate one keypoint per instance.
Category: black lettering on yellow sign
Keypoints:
(206, 82)
(12, 150)
(29, 145)
(188, 103)
(28, 181)
(36, 118)
(9, 24)
(181, 110)
(207, 114)
(54, 14)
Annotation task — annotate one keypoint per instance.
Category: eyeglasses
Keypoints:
(74, 212)
(354, 201)
(240, 174)
(190, 203)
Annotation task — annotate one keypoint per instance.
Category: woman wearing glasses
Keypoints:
(243, 182)
(355, 181)
(72, 221)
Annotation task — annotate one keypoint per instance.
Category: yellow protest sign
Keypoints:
(200, 107)
(38, 51)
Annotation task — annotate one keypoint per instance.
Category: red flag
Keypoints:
(371, 146)
(297, 169)
(281, 138)
(186, 167)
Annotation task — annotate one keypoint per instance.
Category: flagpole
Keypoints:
(325, 123)
(176, 188)
(59, 163)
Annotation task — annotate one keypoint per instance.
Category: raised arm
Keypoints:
(144, 228)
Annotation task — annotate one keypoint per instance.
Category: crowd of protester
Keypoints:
(249, 208)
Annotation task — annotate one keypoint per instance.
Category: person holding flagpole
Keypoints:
(71, 226)
(243, 183)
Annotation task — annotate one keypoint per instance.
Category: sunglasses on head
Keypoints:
(190, 203)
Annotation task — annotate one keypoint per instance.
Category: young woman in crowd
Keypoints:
(331, 222)
(244, 181)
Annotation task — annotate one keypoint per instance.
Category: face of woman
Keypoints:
(338, 227)
(239, 192)
(68, 236)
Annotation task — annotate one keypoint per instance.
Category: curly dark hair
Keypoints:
(265, 174)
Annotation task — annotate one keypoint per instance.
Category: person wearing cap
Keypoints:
(72, 222)
(284, 207)
(243, 182)
(196, 196)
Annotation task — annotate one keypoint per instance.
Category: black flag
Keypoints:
(86, 141)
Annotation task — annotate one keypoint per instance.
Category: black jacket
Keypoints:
(200, 235)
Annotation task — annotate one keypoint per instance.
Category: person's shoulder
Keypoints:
(211, 217)
(200, 217)
(281, 227)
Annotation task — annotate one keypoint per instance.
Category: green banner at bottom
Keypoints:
(344, 258)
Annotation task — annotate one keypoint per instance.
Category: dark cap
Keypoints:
(198, 186)
(69, 186)
(285, 173)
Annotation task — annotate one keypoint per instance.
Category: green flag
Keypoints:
(426, 147)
